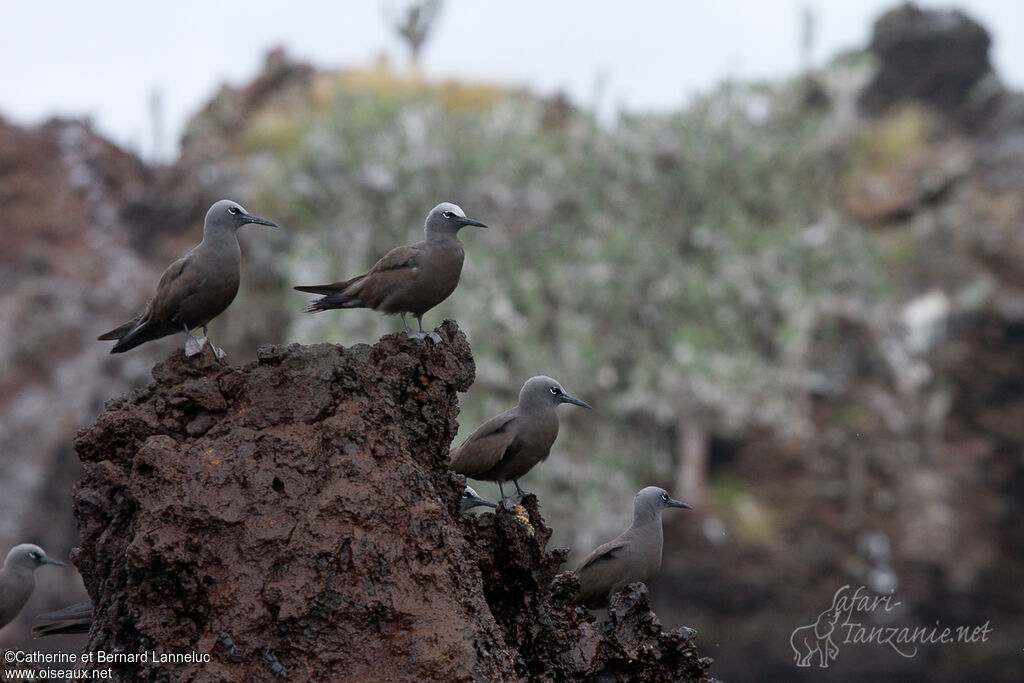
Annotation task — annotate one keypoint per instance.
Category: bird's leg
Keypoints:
(408, 330)
(218, 352)
(193, 346)
(411, 333)
(433, 335)
(506, 502)
(522, 493)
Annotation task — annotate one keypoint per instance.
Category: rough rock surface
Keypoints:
(937, 56)
(296, 516)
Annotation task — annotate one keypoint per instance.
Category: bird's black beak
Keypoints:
(673, 503)
(469, 221)
(249, 218)
(566, 398)
(50, 560)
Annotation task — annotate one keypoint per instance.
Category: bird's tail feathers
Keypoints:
(337, 300)
(331, 288)
(132, 338)
(334, 296)
(318, 289)
(118, 331)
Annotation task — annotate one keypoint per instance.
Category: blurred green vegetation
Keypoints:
(654, 265)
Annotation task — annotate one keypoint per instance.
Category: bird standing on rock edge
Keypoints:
(408, 279)
(17, 578)
(508, 445)
(635, 555)
(196, 288)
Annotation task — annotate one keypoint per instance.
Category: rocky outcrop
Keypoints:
(296, 517)
(940, 57)
(63, 189)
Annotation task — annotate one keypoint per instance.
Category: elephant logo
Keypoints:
(816, 638)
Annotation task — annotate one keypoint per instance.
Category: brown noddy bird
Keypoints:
(470, 500)
(74, 619)
(17, 578)
(635, 555)
(196, 288)
(408, 279)
(508, 445)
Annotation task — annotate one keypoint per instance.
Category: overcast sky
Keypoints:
(103, 60)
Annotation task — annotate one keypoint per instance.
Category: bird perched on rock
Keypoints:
(17, 578)
(470, 500)
(508, 445)
(408, 279)
(74, 619)
(635, 555)
(196, 288)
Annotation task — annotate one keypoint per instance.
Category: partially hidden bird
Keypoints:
(508, 445)
(471, 499)
(408, 279)
(17, 578)
(634, 555)
(196, 288)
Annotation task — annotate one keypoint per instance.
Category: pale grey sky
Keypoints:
(104, 59)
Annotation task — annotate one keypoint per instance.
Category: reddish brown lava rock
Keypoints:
(556, 640)
(296, 517)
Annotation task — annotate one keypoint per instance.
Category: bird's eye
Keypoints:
(34, 555)
(233, 210)
(448, 214)
(555, 391)
(664, 497)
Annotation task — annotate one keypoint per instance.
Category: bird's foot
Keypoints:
(435, 336)
(414, 334)
(219, 353)
(194, 345)
(510, 504)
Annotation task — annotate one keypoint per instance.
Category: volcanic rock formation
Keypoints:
(296, 517)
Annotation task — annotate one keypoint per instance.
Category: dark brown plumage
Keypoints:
(508, 445)
(408, 279)
(635, 555)
(74, 619)
(196, 288)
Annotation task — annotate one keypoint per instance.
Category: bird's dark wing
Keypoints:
(602, 553)
(395, 269)
(369, 290)
(178, 282)
(485, 447)
(399, 258)
(600, 572)
(74, 619)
